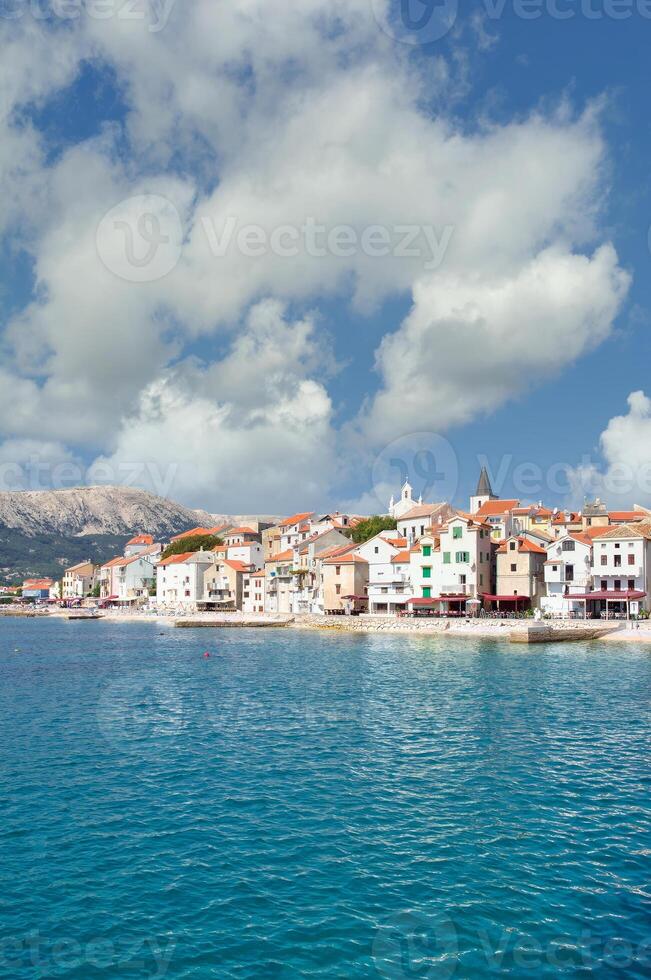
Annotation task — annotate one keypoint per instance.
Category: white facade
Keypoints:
(127, 579)
(621, 560)
(398, 508)
(568, 572)
(180, 580)
(253, 593)
(466, 560)
(248, 554)
(389, 580)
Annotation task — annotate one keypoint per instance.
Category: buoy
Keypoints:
(206, 655)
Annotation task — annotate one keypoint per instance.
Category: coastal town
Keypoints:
(500, 558)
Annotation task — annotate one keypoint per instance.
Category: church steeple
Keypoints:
(484, 488)
(483, 493)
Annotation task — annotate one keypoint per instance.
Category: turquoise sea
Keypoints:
(308, 805)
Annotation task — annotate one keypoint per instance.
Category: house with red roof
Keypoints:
(127, 581)
(389, 581)
(568, 573)
(520, 582)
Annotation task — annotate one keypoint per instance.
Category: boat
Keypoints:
(84, 614)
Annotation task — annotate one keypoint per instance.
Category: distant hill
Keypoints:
(42, 532)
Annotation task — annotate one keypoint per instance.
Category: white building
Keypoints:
(421, 519)
(389, 582)
(568, 572)
(621, 569)
(249, 553)
(127, 580)
(253, 592)
(295, 529)
(180, 579)
(462, 564)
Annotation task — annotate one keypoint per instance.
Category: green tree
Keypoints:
(196, 543)
(372, 526)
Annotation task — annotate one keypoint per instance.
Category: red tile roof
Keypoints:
(194, 532)
(296, 519)
(141, 539)
(495, 508)
(282, 556)
(177, 559)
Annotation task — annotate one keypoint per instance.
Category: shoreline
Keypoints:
(617, 632)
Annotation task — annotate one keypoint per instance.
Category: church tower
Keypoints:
(483, 493)
(406, 502)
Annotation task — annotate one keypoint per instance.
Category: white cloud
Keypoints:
(624, 477)
(283, 111)
(250, 431)
(471, 342)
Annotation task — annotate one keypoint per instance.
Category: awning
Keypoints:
(421, 602)
(611, 595)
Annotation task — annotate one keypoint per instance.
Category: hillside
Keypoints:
(41, 532)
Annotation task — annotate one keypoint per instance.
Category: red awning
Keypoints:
(614, 595)
(421, 602)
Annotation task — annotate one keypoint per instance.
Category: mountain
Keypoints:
(43, 531)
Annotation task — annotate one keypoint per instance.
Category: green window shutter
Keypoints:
(427, 593)
(446, 557)
(427, 550)
(427, 571)
(457, 532)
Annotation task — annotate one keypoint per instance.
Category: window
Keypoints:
(422, 529)
(446, 557)
(604, 585)
(554, 568)
(618, 585)
(604, 559)
(337, 571)
(481, 579)
(462, 580)
(462, 557)
(338, 589)
(427, 571)
(377, 550)
(631, 583)
(618, 546)
(514, 568)
(457, 532)
(569, 546)
(569, 573)
(512, 545)
(427, 550)
(631, 559)
(427, 593)
(618, 561)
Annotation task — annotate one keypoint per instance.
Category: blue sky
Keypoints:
(267, 384)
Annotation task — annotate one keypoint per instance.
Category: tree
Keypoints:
(195, 543)
(371, 526)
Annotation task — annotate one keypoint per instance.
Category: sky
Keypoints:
(263, 256)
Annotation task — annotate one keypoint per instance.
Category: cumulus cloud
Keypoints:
(470, 343)
(623, 478)
(252, 428)
(290, 117)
